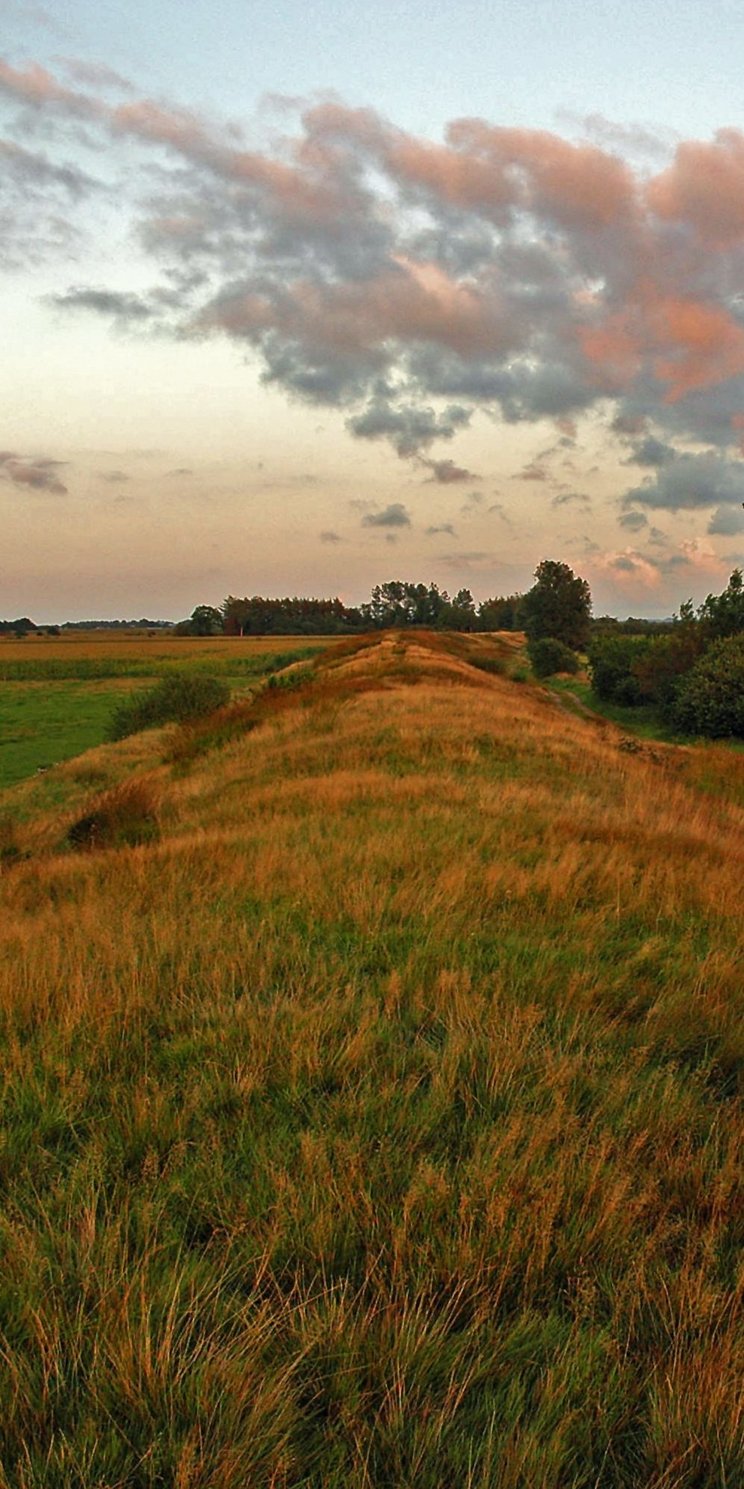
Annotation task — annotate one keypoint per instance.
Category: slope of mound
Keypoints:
(372, 1117)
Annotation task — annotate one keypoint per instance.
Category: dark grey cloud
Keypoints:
(626, 563)
(658, 538)
(633, 521)
(447, 473)
(35, 474)
(394, 515)
(444, 527)
(410, 429)
(115, 304)
(651, 452)
(728, 521)
(686, 482)
(571, 498)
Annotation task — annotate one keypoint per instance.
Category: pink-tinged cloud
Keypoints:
(412, 282)
(702, 344)
(703, 188)
(576, 184)
(613, 348)
(39, 88)
(412, 302)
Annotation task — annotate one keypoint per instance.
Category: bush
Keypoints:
(631, 670)
(549, 656)
(175, 700)
(666, 662)
(124, 816)
(612, 662)
(710, 700)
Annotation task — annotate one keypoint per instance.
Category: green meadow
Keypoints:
(56, 698)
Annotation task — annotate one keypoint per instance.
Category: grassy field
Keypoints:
(58, 693)
(377, 1120)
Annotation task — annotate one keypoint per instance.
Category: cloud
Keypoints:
(447, 473)
(444, 527)
(532, 472)
(411, 282)
(686, 482)
(567, 498)
(473, 556)
(114, 477)
(394, 515)
(329, 537)
(651, 451)
(119, 306)
(728, 521)
(35, 474)
(409, 428)
(633, 520)
(631, 565)
(34, 170)
(95, 75)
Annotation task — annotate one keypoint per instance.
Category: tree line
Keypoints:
(397, 602)
(693, 675)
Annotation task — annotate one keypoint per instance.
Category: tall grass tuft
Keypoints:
(172, 700)
(125, 815)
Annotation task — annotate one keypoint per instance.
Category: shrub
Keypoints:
(663, 665)
(124, 816)
(710, 700)
(632, 670)
(612, 662)
(549, 656)
(174, 700)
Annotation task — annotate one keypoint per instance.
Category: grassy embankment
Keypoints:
(57, 694)
(378, 1122)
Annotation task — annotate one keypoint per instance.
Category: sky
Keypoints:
(295, 299)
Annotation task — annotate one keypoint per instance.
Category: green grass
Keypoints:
(42, 724)
(53, 709)
(645, 721)
(85, 669)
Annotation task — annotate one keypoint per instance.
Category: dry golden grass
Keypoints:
(380, 1122)
(143, 646)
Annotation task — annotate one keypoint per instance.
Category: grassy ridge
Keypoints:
(379, 1124)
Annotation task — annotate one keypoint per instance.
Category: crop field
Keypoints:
(372, 1095)
(58, 693)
